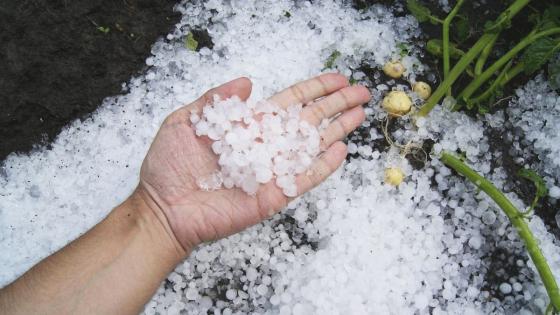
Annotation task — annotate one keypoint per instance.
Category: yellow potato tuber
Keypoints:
(393, 176)
(422, 89)
(394, 69)
(397, 103)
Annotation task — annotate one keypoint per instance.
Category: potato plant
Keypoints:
(485, 85)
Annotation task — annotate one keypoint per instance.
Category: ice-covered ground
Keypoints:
(535, 118)
(351, 246)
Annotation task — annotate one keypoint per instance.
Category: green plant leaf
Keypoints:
(435, 48)
(461, 29)
(403, 49)
(483, 109)
(470, 104)
(420, 12)
(103, 29)
(332, 58)
(537, 180)
(539, 53)
(501, 23)
(550, 17)
(554, 72)
(190, 42)
(534, 18)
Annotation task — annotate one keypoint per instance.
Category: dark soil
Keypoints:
(60, 58)
(525, 189)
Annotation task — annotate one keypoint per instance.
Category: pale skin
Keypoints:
(117, 266)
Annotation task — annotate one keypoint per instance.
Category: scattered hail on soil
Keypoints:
(353, 245)
(535, 118)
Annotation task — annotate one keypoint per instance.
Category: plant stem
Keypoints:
(493, 87)
(457, 70)
(503, 79)
(516, 219)
(484, 56)
(446, 24)
(477, 82)
(512, 73)
(435, 20)
(464, 62)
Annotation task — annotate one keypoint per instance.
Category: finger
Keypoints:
(309, 90)
(240, 87)
(337, 102)
(339, 128)
(327, 163)
(271, 200)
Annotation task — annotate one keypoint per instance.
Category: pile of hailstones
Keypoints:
(256, 142)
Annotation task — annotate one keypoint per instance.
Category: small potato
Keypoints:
(393, 176)
(394, 69)
(397, 103)
(423, 90)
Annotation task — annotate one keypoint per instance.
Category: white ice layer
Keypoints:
(534, 115)
(352, 245)
(256, 143)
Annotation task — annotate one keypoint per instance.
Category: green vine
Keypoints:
(517, 219)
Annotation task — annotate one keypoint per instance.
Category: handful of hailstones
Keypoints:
(256, 142)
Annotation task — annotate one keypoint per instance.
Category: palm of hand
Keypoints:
(173, 165)
(177, 158)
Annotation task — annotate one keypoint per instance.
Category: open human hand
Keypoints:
(177, 157)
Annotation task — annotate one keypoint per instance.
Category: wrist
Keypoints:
(112, 269)
(155, 225)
